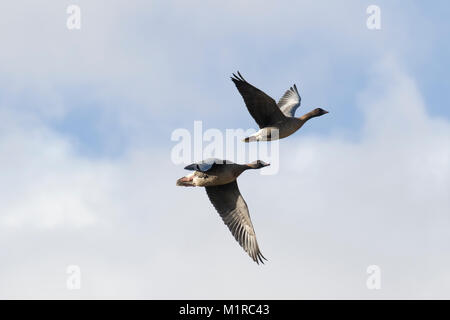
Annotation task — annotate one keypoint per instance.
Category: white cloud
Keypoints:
(136, 57)
(336, 207)
(43, 183)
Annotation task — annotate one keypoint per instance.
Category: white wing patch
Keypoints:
(290, 101)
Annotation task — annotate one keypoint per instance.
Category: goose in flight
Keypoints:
(276, 121)
(219, 179)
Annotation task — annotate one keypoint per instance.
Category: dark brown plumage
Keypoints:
(233, 209)
(261, 107)
(276, 121)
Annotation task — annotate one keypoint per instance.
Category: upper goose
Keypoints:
(271, 116)
(219, 179)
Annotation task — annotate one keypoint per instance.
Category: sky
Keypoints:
(85, 149)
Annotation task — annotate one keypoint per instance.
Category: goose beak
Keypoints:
(325, 112)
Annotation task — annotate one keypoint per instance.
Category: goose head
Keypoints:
(318, 112)
(258, 164)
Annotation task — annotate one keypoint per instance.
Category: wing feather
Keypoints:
(231, 206)
(290, 102)
(261, 107)
(206, 165)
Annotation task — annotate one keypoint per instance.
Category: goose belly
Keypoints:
(287, 131)
(275, 133)
(266, 134)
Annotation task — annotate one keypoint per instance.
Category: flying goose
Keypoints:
(219, 179)
(271, 116)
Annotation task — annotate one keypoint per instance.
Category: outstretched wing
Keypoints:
(232, 208)
(206, 165)
(261, 107)
(290, 101)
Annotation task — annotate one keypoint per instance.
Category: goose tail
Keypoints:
(185, 182)
(250, 139)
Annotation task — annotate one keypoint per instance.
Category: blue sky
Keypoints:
(159, 48)
(88, 114)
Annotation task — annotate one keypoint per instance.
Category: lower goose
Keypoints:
(219, 179)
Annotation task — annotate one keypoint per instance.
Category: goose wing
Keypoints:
(290, 101)
(231, 206)
(261, 107)
(206, 165)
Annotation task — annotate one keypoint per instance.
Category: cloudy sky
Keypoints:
(85, 149)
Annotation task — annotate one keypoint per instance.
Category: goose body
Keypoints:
(211, 172)
(276, 121)
(219, 179)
